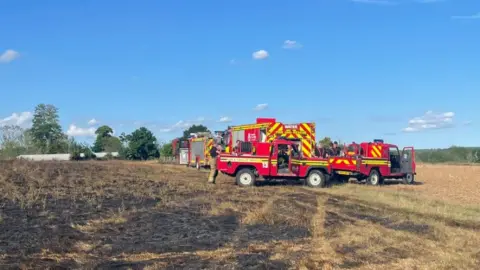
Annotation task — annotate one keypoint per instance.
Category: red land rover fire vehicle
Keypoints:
(374, 162)
(279, 159)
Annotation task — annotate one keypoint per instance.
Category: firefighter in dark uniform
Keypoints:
(335, 149)
(214, 152)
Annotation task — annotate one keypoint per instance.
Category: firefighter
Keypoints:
(214, 152)
(335, 149)
(321, 150)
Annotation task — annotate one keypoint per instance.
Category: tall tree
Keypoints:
(105, 140)
(194, 129)
(12, 141)
(141, 145)
(46, 130)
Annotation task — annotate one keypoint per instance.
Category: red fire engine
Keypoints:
(268, 129)
(374, 162)
(279, 159)
(199, 149)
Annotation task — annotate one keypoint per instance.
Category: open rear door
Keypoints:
(408, 160)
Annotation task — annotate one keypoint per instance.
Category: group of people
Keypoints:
(331, 150)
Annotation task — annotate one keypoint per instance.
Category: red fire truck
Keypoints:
(268, 129)
(279, 159)
(374, 162)
(199, 149)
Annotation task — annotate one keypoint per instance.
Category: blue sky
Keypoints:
(359, 69)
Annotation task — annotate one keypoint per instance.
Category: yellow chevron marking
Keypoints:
(377, 151)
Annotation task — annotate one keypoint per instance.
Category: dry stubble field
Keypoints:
(102, 215)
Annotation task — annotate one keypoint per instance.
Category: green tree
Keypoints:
(105, 140)
(79, 151)
(166, 150)
(194, 129)
(11, 141)
(46, 130)
(326, 141)
(141, 145)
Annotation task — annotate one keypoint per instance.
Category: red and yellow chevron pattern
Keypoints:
(275, 130)
(306, 133)
(343, 161)
(376, 151)
(208, 146)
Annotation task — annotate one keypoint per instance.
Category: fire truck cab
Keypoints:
(280, 159)
(376, 161)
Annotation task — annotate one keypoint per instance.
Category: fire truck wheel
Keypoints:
(245, 177)
(409, 179)
(316, 179)
(374, 178)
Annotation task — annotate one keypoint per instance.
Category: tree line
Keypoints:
(45, 136)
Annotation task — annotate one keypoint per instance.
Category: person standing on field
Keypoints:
(214, 152)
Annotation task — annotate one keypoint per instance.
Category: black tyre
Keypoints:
(409, 179)
(374, 179)
(245, 178)
(316, 178)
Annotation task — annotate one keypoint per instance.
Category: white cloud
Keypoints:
(225, 119)
(430, 120)
(8, 56)
(182, 125)
(261, 54)
(291, 44)
(18, 119)
(375, 2)
(467, 17)
(92, 122)
(75, 131)
(261, 107)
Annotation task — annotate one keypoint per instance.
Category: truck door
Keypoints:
(183, 156)
(408, 160)
(284, 159)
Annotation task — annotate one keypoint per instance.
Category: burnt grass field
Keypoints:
(119, 215)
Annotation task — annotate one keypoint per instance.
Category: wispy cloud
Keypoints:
(467, 17)
(259, 55)
(182, 125)
(375, 2)
(76, 131)
(8, 56)
(92, 122)
(17, 119)
(261, 107)
(430, 120)
(225, 119)
(291, 44)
